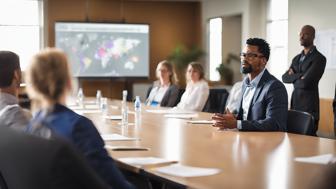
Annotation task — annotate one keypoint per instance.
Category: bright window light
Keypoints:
(277, 36)
(215, 47)
(21, 28)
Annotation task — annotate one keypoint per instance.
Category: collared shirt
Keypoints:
(304, 56)
(195, 96)
(248, 94)
(156, 95)
(12, 115)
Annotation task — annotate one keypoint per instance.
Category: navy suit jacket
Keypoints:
(81, 132)
(268, 108)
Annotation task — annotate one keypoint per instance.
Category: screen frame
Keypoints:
(109, 77)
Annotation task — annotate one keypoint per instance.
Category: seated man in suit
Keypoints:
(264, 103)
(10, 78)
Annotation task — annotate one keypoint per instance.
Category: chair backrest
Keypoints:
(300, 122)
(181, 91)
(30, 162)
(24, 101)
(3, 184)
(216, 101)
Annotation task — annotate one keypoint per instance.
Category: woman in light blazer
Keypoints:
(163, 92)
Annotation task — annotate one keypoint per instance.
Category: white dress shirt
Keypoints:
(195, 96)
(248, 96)
(156, 94)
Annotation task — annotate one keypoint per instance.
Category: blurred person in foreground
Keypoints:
(48, 83)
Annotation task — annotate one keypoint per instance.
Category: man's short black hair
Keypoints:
(263, 46)
(9, 62)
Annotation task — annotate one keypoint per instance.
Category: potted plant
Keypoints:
(181, 57)
(225, 70)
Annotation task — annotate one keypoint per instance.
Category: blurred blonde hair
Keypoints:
(48, 76)
(169, 66)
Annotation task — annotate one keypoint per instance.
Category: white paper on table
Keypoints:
(187, 171)
(126, 148)
(170, 111)
(181, 116)
(92, 106)
(87, 111)
(89, 102)
(142, 161)
(116, 137)
(320, 159)
(86, 107)
(114, 107)
(201, 121)
(128, 124)
(113, 117)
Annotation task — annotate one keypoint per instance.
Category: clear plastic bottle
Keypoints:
(124, 109)
(137, 110)
(137, 104)
(80, 97)
(104, 106)
(98, 97)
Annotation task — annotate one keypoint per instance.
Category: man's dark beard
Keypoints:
(246, 69)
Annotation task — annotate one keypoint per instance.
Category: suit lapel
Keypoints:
(260, 86)
(240, 112)
(296, 64)
(306, 63)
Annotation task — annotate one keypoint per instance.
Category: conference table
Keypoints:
(253, 160)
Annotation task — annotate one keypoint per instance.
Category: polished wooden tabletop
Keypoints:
(253, 160)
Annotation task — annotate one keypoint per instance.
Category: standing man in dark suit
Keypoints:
(264, 102)
(305, 73)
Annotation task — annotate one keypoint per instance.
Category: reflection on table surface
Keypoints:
(246, 159)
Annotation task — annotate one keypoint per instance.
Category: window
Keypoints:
(215, 47)
(277, 36)
(21, 28)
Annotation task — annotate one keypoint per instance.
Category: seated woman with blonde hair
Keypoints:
(48, 83)
(197, 89)
(163, 92)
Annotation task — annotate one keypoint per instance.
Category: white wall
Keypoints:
(320, 14)
(232, 43)
(253, 17)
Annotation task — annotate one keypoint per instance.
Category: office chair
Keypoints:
(181, 91)
(3, 184)
(24, 101)
(216, 101)
(31, 162)
(300, 122)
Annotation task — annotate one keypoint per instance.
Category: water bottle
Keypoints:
(98, 97)
(124, 109)
(104, 106)
(80, 97)
(137, 110)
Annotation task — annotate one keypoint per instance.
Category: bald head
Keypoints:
(307, 36)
